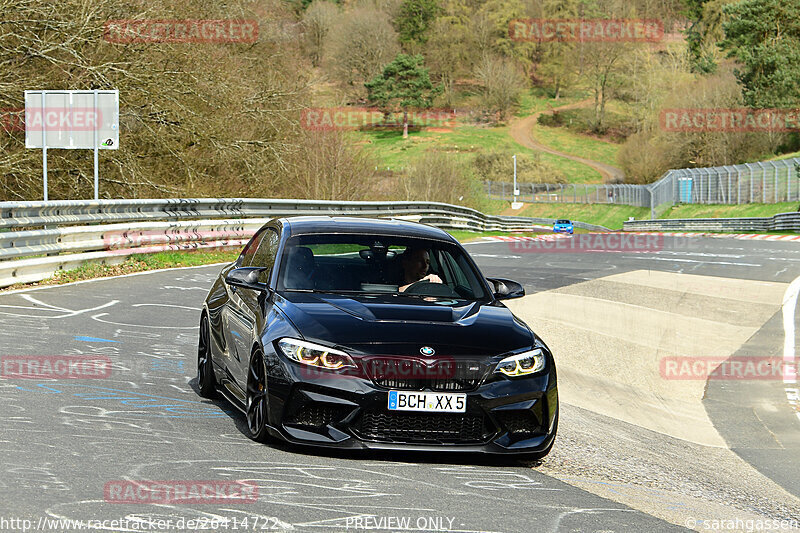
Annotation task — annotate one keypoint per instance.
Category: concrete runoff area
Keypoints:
(610, 334)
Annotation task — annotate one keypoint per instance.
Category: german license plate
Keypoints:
(431, 402)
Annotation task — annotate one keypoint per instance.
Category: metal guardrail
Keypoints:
(39, 238)
(781, 222)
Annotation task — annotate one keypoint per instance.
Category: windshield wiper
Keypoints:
(335, 291)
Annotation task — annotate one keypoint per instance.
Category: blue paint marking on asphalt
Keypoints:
(172, 408)
(167, 366)
(92, 339)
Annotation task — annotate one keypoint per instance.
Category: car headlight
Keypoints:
(522, 364)
(316, 355)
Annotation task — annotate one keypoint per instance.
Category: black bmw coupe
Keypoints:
(368, 333)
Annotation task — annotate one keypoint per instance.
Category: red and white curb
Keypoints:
(741, 236)
(522, 238)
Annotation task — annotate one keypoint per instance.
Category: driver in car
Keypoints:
(415, 263)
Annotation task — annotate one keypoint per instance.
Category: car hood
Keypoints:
(401, 325)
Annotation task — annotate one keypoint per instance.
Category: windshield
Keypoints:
(370, 264)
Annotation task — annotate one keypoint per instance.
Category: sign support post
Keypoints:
(44, 152)
(514, 203)
(96, 152)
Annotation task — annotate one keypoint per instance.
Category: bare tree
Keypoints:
(318, 20)
(196, 118)
(503, 83)
(362, 42)
(329, 167)
(439, 177)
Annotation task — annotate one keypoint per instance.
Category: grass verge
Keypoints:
(728, 211)
(395, 153)
(134, 263)
(539, 99)
(610, 216)
(566, 141)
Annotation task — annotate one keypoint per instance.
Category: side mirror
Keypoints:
(246, 277)
(505, 289)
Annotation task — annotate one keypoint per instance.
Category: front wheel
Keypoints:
(205, 367)
(256, 408)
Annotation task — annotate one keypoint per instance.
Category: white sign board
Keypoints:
(72, 119)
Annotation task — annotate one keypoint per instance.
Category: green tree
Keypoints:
(764, 36)
(704, 32)
(490, 26)
(415, 18)
(405, 83)
(558, 65)
(451, 51)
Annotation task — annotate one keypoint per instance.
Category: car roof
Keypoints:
(304, 225)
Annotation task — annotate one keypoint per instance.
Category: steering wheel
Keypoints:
(425, 287)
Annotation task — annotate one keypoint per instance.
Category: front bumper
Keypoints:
(503, 415)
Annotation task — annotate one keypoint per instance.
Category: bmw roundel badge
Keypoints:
(427, 350)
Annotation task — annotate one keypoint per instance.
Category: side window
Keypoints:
(458, 274)
(265, 254)
(246, 257)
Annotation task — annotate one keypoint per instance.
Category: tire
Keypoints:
(205, 366)
(256, 403)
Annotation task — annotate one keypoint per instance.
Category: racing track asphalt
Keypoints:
(62, 441)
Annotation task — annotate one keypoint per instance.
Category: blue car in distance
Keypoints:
(563, 226)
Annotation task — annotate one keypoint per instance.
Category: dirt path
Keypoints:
(521, 130)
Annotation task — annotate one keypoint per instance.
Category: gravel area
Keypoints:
(669, 478)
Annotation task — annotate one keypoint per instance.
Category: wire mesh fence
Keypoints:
(582, 193)
(762, 182)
